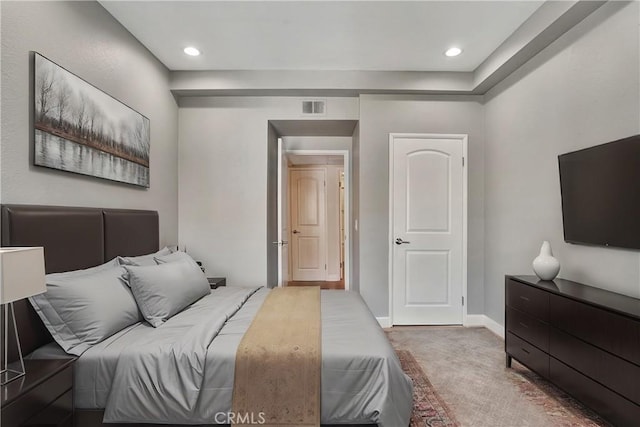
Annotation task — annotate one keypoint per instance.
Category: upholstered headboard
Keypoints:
(73, 238)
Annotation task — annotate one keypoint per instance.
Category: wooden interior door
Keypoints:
(308, 223)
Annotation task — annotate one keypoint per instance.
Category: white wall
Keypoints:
(85, 39)
(582, 90)
(223, 171)
(384, 114)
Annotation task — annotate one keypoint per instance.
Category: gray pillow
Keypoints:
(82, 308)
(143, 259)
(75, 273)
(175, 257)
(163, 290)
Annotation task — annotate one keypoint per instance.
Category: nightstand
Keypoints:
(215, 282)
(42, 397)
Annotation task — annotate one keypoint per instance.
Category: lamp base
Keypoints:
(14, 369)
(9, 375)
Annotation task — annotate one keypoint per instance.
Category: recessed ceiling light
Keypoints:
(453, 51)
(191, 51)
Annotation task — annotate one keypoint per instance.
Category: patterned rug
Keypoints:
(562, 408)
(429, 410)
(480, 389)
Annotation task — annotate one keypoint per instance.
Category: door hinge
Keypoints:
(462, 300)
(463, 161)
(325, 266)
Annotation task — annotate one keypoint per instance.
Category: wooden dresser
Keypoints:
(585, 340)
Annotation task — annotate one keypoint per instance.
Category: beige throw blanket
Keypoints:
(278, 362)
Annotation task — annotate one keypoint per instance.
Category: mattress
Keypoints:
(362, 381)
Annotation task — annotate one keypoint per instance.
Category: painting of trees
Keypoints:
(72, 116)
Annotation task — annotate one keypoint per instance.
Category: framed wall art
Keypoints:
(78, 128)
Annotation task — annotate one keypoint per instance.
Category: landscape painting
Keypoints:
(80, 129)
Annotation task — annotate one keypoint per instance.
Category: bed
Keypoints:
(362, 382)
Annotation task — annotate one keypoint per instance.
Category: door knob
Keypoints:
(399, 241)
(295, 232)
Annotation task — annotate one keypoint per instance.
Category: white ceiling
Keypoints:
(322, 35)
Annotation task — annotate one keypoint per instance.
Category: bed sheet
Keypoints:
(362, 380)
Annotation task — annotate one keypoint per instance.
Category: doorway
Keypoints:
(306, 137)
(318, 210)
(427, 226)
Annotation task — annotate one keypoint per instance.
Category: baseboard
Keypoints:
(483, 320)
(385, 322)
(470, 321)
(494, 327)
(475, 320)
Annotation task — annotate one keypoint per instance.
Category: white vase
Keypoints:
(545, 265)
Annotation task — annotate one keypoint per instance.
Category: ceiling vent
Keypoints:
(314, 106)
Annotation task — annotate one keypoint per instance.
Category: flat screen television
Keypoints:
(601, 194)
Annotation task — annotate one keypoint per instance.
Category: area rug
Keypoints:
(559, 406)
(429, 410)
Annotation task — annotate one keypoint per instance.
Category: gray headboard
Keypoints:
(73, 238)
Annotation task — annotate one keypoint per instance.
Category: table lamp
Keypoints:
(22, 275)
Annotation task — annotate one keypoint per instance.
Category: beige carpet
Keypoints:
(467, 368)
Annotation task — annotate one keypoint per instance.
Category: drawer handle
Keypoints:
(523, 325)
(525, 350)
(524, 298)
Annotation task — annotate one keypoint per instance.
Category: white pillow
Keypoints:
(164, 290)
(81, 308)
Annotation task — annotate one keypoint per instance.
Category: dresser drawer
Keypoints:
(610, 331)
(613, 407)
(527, 354)
(528, 328)
(17, 412)
(615, 373)
(528, 299)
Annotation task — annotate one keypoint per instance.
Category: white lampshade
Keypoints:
(21, 273)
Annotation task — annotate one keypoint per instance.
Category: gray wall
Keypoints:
(318, 143)
(272, 207)
(223, 179)
(384, 114)
(85, 39)
(582, 90)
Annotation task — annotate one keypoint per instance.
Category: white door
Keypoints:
(283, 229)
(308, 217)
(427, 222)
